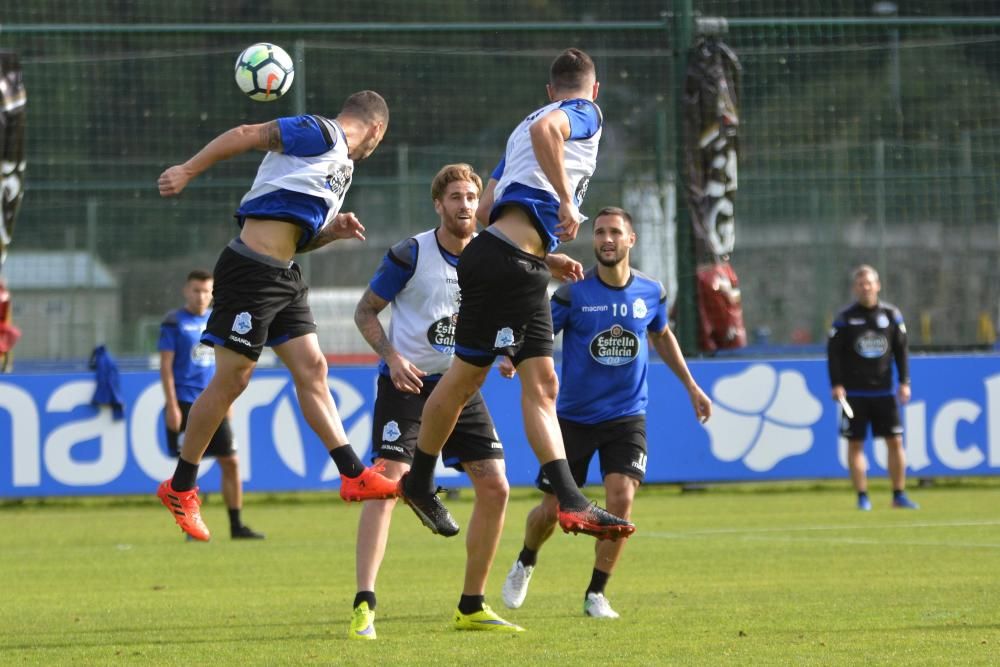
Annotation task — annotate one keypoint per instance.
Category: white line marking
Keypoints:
(798, 529)
(875, 542)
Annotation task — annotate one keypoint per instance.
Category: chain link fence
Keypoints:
(865, 137)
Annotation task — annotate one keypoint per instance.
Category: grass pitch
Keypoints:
(787, 574)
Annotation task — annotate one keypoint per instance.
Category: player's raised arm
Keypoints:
(486, 203)
(548, 140)
(488, 196)
(564, 268)
(238, 140)
(343, 226)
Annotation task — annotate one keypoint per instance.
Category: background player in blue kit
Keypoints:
(865, 340)
(186, 366)
(605, 320)
(531, 204)
(261, 299)
(418, 281)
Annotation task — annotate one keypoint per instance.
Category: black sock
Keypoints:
(896, 493)
(598, 580)
(347, 461)
(235, 523)
(365, 596)
(528, 557)
(862, 494)
(561, 481)
(420, 479)
(185, 476)
(470, 604)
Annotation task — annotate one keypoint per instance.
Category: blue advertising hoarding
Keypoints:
(773, 420)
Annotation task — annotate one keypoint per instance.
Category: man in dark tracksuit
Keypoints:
(866, 338)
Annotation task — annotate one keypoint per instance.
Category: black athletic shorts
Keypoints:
(619, 443)
(221, 444)
(258, 301)
(879, 411)
(397, 422)
(504, 307)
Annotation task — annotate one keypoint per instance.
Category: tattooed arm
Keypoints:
(262, 137)
(366, 319)
(343, 226)
(404, 374)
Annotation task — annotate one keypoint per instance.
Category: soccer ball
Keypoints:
(264, 72)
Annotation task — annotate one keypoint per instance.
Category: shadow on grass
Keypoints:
(299, 631)
(464, 495)
(179, 641)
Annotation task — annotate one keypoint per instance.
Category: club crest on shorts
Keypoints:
(505, 337)
(391, 432)
(242, 323)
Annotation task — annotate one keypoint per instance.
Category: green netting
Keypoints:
(876, 144)
(863, 140)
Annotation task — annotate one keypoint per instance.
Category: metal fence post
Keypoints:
(686, 312)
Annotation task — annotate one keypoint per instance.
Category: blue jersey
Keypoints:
(194, 363)
(605, 351)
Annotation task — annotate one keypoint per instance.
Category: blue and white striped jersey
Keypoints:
(420, 280)
(306, 183)
(520, 177)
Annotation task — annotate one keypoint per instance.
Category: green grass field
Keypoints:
(787, 574)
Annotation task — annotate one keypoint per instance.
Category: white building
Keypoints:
(65, 303)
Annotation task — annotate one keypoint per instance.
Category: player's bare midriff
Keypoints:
(274, 238)
(517, 226)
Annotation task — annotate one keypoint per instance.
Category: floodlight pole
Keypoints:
(686, 311)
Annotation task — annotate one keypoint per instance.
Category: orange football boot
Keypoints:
(369, 485)
(185, 508)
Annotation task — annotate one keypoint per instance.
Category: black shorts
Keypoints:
(258, 301)
(396, 424)
(879, 411)
(221, 444)
(619, 443)
(504, 307)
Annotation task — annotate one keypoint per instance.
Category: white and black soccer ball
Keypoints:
(264, 72)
